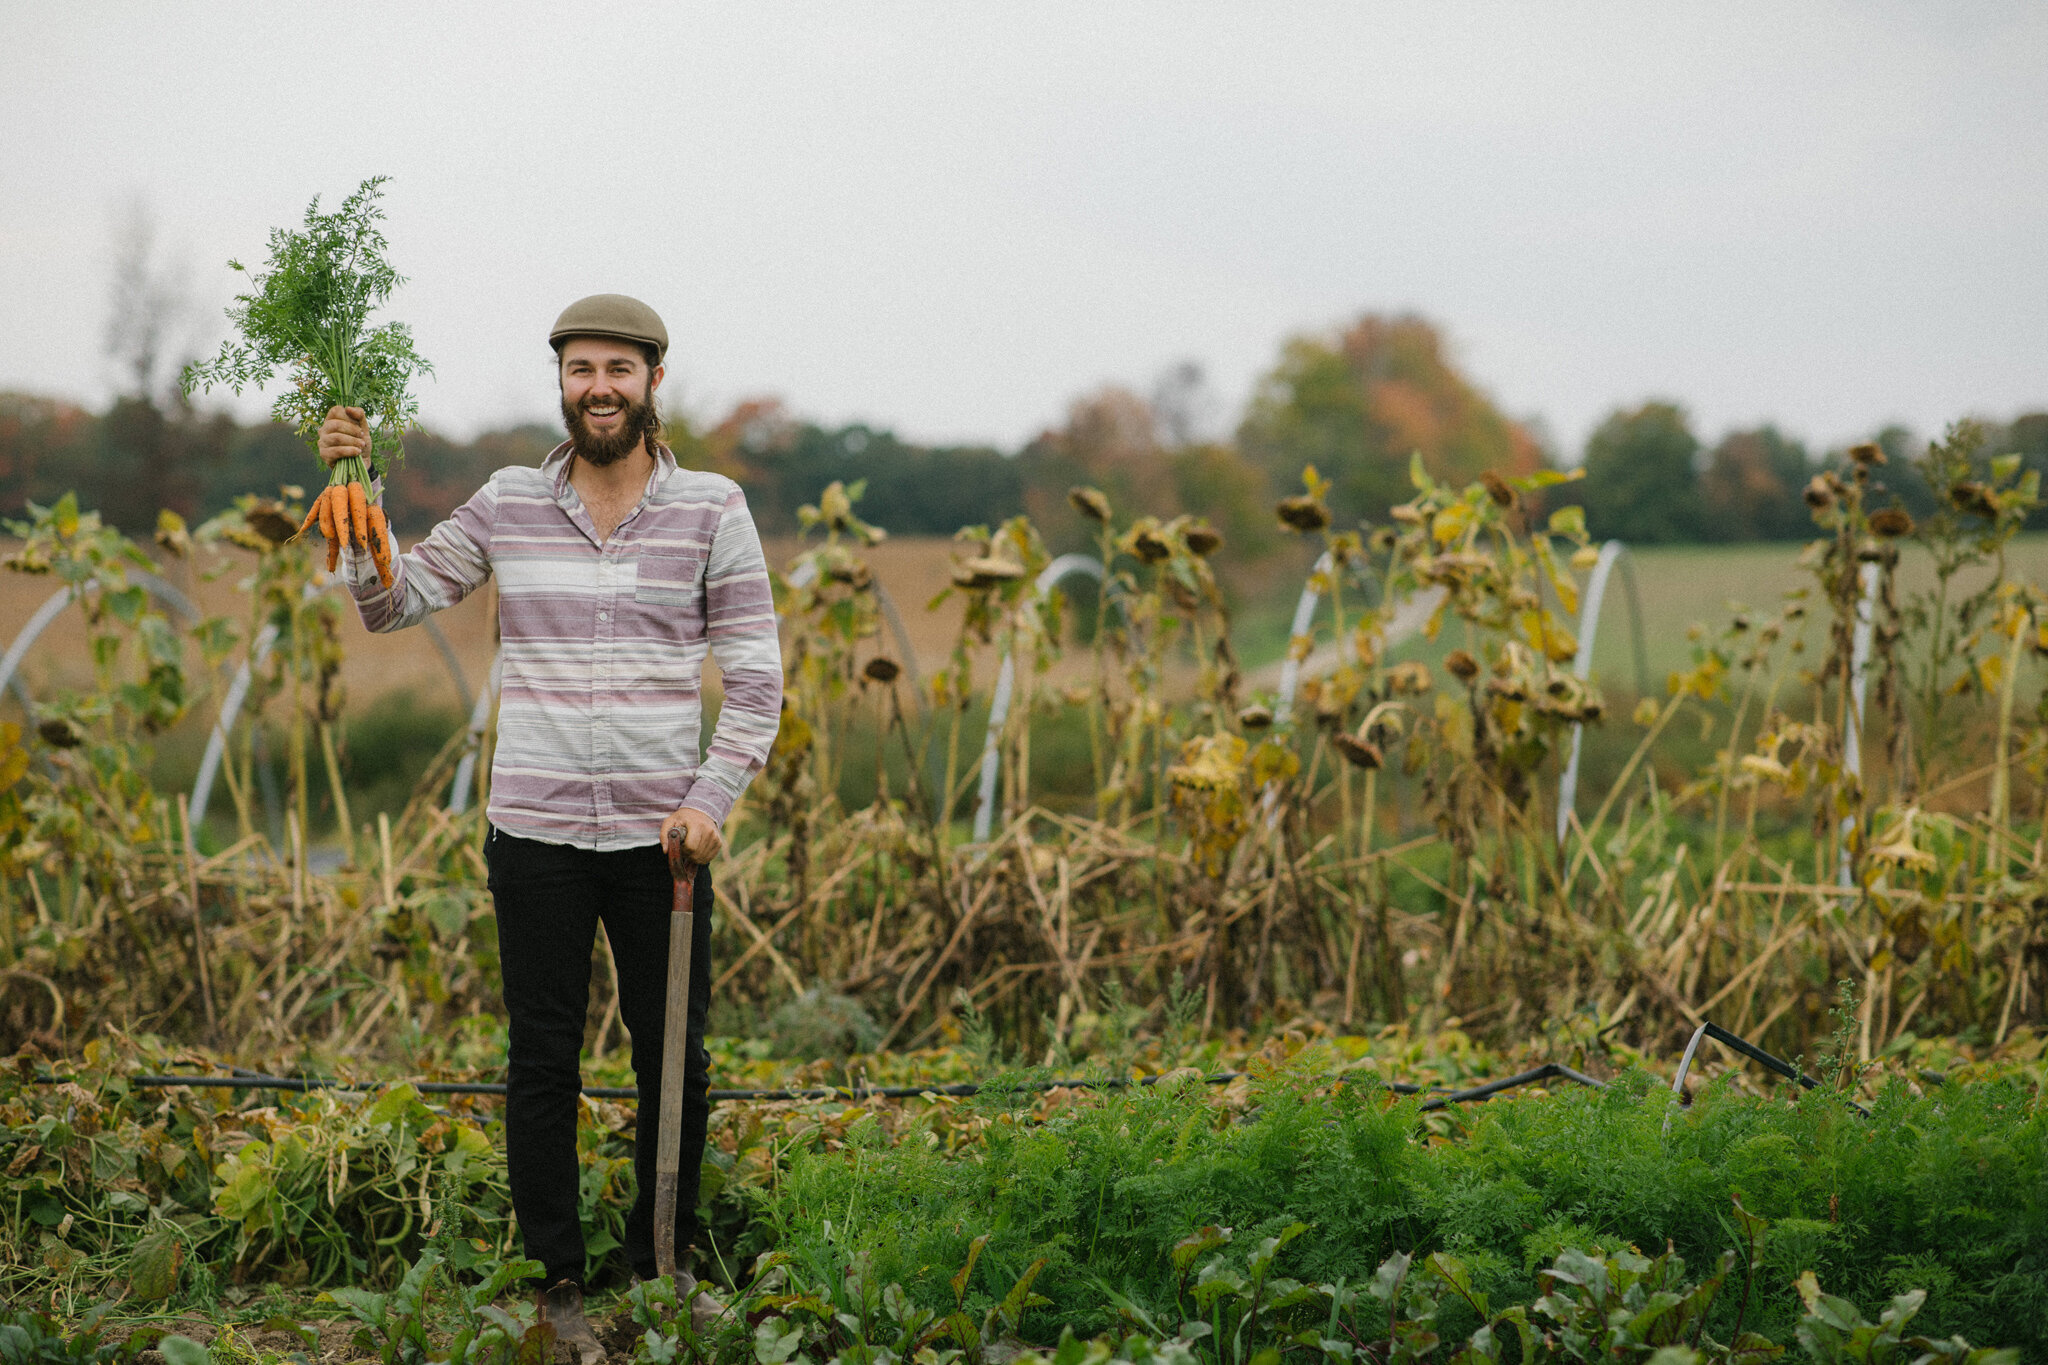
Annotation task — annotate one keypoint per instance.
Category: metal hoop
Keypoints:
(1304, 618)
(1611, 556)
(166, 595)
(1407, 619)
(1066, 566)
(238, 692)
(1859, 687)
(10, 663)
(479, 721)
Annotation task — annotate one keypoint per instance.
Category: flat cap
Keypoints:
(611, 315)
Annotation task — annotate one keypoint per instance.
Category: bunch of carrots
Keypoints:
(343, 511)
(307, 316)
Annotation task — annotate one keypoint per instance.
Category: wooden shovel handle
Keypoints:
(668, 1147)
(665, 1224)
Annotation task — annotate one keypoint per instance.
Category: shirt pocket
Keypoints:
(669, 580)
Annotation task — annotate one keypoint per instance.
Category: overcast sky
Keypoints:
(952, 218)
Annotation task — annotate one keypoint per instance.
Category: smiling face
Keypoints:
(608, 397)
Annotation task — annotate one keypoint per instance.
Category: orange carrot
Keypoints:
(312, 517)
(380, 544)
(324, 506)
(358, 517)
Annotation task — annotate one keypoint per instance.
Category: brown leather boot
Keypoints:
(561, 1307)
(705, 1311)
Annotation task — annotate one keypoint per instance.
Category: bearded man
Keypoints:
(617, 572)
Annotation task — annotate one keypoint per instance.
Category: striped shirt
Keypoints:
(603, 646)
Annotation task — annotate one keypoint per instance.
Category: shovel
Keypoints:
(675, 1033)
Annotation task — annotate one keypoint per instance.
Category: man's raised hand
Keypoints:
(344, 435)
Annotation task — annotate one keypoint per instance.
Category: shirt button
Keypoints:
(604, 616)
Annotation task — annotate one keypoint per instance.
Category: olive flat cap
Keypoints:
(611, 315)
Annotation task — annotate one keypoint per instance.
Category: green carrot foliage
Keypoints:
(1125, 1196)
(307, 317)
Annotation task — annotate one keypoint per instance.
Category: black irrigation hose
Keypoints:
(248, 1080)
(1548, 1071)
(1709, 1029)
(1755, 1053)
(616, 1092)
(242, 1079)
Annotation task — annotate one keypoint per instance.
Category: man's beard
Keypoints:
(639, 423)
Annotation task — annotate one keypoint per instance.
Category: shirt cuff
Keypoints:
(359, 572)
(711, 798)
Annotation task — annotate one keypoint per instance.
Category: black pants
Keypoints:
(550, 898)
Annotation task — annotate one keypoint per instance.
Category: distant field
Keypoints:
(1681, 585)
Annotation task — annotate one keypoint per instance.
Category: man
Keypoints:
(616, 571)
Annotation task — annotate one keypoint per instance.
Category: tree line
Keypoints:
(1355, 402)
(1650, 480)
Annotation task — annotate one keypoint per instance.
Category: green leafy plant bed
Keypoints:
(161, 1198)
(1303, 1208)
(1104, 1204)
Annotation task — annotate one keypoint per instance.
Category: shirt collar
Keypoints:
(556, 467)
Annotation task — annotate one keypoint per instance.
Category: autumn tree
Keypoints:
(1109, 441)
(1750, 489)
(1358, 403)
(1149, 458)
(438, 475)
